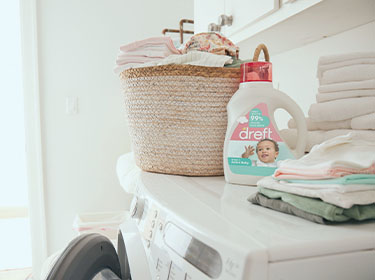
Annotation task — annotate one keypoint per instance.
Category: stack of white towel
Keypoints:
(345, 99)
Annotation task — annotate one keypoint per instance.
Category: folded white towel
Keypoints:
(328, 96)
(198, 58)
(344, 200)
(319, 136)
(120, 68)
(341, 188)
(357, 123)
(364, 122)
(366, 84)
(342, 109)
(325, 67)
(147, 53)
(311, 125)
(358, 72)
(128, 172)
(327, 59)
(135, 59)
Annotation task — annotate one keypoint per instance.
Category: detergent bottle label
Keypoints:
(255, 147)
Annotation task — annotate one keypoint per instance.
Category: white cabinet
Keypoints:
(283, 24)
(247, 13)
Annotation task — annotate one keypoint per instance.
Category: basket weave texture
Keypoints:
(177, 117)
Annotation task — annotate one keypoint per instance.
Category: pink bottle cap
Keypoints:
(257, 71)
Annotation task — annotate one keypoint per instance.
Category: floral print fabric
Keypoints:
(213, 43)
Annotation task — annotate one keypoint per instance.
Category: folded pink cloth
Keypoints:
(334, 172)
(167, 41)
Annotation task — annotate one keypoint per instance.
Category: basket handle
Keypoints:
(261, 47)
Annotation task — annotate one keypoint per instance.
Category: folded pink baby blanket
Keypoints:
(155, 41)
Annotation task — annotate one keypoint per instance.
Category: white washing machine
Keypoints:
(201, 228)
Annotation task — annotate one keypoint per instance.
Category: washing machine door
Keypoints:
(89, 256)
(132, 254)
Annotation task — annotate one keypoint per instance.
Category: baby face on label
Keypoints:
(266, 151)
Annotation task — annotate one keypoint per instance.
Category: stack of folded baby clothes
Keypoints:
(203, 49)
(335, 182)
(345, 99)
(144, 53)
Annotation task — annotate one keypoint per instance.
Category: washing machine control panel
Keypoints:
(174, 254)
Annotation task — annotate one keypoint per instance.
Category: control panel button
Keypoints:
(176, 273)
(137, 207)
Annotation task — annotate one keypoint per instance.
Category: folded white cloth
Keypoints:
(342, 109)
(128, 172)
(120, 68)
(366, 84)
(328, 59)
(319, 136)
(324, 67)
(311, 125)
(198, 58)
(344, 200)
(360, 122)
(364, 122)
(357, 72)
(192, 58)
(142, 53)
(136, 59)
(329, 96)
(341, 188)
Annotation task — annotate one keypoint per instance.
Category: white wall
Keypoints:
(78, 42)
(294, 71)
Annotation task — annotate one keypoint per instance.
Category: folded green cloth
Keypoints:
(237, 62)
(318, 207)
(281, 206)
(362, 179)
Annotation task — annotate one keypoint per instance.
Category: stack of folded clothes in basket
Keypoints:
(345, 99)
(335, 182)
(144, 52)
(204, 49)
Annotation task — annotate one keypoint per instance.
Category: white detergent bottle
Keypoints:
(253, 147)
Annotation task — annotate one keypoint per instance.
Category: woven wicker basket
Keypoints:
(177, 117)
